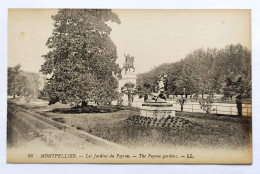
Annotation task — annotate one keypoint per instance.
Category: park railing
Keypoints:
(216, 108)
(225, 109)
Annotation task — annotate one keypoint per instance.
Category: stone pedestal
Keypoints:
(127, 78)
(157, 110)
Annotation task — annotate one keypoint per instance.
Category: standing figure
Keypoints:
(162, 87)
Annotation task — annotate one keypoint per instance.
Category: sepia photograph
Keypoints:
(157, 86)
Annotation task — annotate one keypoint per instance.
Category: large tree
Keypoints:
(82, 57)
(23, 84)
(13, 77)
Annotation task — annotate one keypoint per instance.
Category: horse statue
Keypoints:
(129, 63)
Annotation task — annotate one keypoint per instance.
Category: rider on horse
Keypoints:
(129, 63)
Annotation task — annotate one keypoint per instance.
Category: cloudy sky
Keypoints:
(151, 36)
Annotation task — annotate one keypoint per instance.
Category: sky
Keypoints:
(153, 37)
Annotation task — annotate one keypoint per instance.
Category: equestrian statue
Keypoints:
(129, 63)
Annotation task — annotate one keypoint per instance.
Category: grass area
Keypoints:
(204, 131)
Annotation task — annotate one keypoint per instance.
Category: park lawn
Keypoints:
(205, 131)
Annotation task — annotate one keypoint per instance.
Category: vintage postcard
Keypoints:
(129, 86)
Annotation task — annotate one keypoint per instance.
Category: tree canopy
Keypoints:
(13, 76)
(82, 57)
(204, 71)
(22, 83)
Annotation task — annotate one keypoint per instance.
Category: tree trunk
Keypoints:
(129, 98)
(181, 107)
(84, 104)
(239, 109)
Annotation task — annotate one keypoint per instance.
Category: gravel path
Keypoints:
(25, 131)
